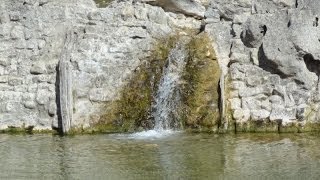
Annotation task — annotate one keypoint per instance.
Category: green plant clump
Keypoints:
(102, 3)
(201, 89)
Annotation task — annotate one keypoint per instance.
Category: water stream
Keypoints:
(168, 98)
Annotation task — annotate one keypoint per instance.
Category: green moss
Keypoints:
(24, 130)
(264, 126)
(200, 91)
(102, 3)
(310, 127)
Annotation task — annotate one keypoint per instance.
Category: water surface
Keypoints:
(171, 156)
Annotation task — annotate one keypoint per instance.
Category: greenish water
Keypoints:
(177, 156)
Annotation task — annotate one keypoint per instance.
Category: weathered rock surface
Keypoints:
(272, 62)
(268, 52)
(109, 44)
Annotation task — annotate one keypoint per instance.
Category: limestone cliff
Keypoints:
(69, 58)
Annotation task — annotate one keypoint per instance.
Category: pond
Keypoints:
(173, 156)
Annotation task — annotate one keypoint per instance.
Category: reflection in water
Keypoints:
(178, 156)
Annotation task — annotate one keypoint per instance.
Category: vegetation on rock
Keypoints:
(201, 89)
(102, 3)
(200, 111)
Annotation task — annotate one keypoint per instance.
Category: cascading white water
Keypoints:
(168, 98)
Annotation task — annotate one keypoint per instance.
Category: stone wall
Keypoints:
(108, 45)
(268, 52)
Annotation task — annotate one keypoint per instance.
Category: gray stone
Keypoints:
(38, 68)
(251, 103)
(30, 104)
(235, 103)
(252, 91)
(254, 81)
(259, 114)
(42, 96)
(284, 114)
(241, 115)
(3, 79)
(17, 32)
(52, 109)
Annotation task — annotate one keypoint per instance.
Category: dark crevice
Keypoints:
(289, 24)
(296, 4)
(316, 22)
(224, 18)
(57, 89)
(137, 37)
(220, 104)
(298, 82)
(230, 52)
(43, 3)
(312, 64)
(279, 125)
(263, 29)
(202, 28)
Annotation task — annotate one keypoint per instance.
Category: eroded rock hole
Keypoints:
(316, 22)
(312, 64)
(263, 29)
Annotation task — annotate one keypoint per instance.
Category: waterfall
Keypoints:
(167, 101)
(168, 97)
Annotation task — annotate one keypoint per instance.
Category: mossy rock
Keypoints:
(263, 126)
(201, 88)
(25, 130)
(102, 3)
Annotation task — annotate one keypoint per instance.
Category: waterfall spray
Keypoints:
(168, 97)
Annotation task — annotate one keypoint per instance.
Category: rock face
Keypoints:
(108, 46)
(268, 53)
(271, 64)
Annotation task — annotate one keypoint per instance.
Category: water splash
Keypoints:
(168, 98)
(152, 134)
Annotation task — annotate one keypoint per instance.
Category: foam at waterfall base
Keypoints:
(152, 134)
